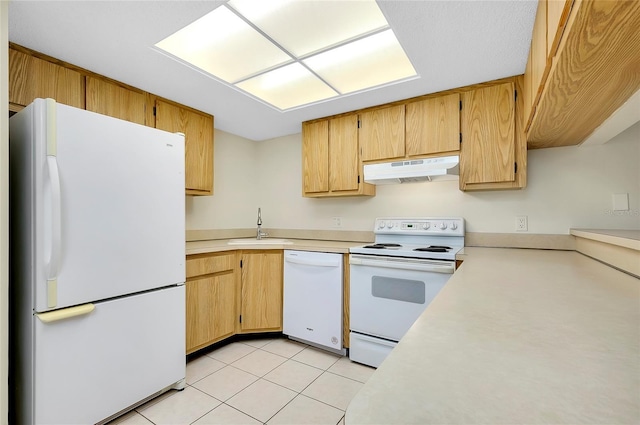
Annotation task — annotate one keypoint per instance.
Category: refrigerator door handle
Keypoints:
(65, 313)
(56, 219)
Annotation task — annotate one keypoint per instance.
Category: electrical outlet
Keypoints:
(522, 224)
(337, 222)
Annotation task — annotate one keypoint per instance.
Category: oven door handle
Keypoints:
(436, 267)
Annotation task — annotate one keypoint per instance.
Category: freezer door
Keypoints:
(94, 365)
(109, 209)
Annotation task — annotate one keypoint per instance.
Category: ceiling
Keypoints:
(451, 43)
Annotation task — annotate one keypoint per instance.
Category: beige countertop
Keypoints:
(516, 336)
(625, 238)
(218, 245)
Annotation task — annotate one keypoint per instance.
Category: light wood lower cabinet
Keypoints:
(211, 287)
(230, 293)
(261, 291)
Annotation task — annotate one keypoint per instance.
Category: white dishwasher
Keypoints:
(313, 297)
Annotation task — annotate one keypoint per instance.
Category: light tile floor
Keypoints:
(260, 381)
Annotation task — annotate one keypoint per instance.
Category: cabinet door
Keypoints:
(261, 298)
(382, 133)
(198, 139)
(210, 310)
(557, 14)
(488, 135)
(537, 65)
(315, 157)
(343, 153)
(108, 98)
(433, 125)
(31, 78)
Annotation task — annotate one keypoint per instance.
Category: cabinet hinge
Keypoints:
(515, 95)
(461, 105)
(460, 138)
(241, 318)
(154, 111)
(240, 263)
(358, 123)
(515, 167)
(358, 179)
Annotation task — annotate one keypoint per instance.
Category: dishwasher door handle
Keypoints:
(306, 262)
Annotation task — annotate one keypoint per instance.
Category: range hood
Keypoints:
(414, 170)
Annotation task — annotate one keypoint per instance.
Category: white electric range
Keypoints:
(394, 279)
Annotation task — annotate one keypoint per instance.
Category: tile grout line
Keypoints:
(263, 377)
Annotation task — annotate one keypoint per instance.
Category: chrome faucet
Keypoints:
(260, 233)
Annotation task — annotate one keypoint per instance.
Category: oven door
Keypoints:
(387, 294)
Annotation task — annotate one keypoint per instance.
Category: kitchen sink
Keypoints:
(254, 241)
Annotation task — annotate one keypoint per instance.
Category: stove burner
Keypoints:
(383, 245)
(434, 248)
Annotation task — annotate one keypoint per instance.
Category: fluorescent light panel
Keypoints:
(344, 43)
(287, 87)
(224, 45)
(365, 63)
(305, 27)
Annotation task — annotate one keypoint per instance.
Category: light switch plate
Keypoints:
(620, 201)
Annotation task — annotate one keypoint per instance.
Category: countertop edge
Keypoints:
(623, 238)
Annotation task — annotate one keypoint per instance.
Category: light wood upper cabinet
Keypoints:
(315, 157)
(261, 292)
(344, 166)
(591, 68)
(211, 293)
(382, 133)
(331, 164)
(557, 14)
(31, 78)
(108, 98)
(488, 136)
(198, 131)
(433, 125)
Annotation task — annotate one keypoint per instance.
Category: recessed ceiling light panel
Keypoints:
(290, 53)
(224, 45)
(364, 63)
(305, 27)
(287, 87)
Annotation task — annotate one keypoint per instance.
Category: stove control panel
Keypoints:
(453, 226)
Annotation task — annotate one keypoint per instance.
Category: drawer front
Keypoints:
(200, 265)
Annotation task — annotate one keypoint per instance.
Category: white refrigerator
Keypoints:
(97, 254)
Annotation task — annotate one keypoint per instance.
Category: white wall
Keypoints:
(236, 178)
(568, 187)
